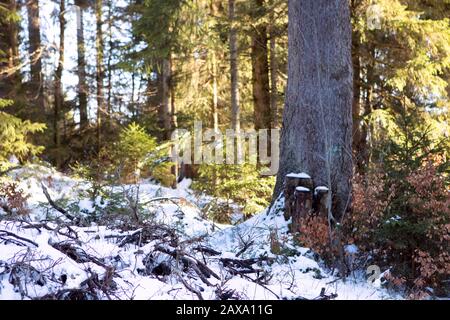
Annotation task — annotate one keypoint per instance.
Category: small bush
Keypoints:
(12, 199)
(406, 224)
(239, 184)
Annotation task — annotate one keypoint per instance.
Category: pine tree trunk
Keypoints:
(59, 98)
(35, 51)
(273, 75)
(235, 107)
(215, 102)
(260, 76)
(81, 69)
(109, 63)
(359, 131)
(215, 7)
(99, 71)
(317, 122)
(166, 102)
(9, 48)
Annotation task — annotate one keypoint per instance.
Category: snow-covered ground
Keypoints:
(40, 258)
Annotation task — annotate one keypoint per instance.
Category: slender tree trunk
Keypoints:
(166, 102)
(99, 71)
(273, 74)
(215, 8)
(235, 107)
(81, 69)
(317, 122)
(260, 75)
(215, 102)
(59, 97)
(35, 51)
(109, 63)
(9, 46)
(359, 132)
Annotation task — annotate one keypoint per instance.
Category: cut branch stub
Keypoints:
(321, 197)
(292, 181)
(302, 205)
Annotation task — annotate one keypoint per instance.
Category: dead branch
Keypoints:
(10, 234)
(208, 251)
(54, 205)
(203, 271)
(190, 288)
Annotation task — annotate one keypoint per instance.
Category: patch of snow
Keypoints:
(301, 175)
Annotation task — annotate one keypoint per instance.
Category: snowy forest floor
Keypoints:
(171, 254)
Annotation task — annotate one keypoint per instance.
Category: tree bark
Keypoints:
(35, 51)
(260, 75)
(59, 97)
(109, 63)
(9, 46)
(99, 71)
(317, 122)
(166, 101)
(81, 68)
(235, 107)
(273, 76)
(359, 128)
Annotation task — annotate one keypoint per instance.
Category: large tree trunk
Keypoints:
(317, 122)
(260, 75)
(235, 107)
(99, 71)
(35, 51)
(81, 68)
(59, 97)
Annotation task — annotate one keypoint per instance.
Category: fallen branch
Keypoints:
(201, 269)
(190, 288)
(4, 232)
(207, 250)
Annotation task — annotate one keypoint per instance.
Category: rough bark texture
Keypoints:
(214, 8)
(260, 75)
(99, 44)
(360, 151)
(35, 51)
(166, 101)
(81, 68)
(235, 107)
(109, 62)
(59, 98)
(317, 122)
(273, 77)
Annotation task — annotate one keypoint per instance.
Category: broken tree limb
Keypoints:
(10, 234)
(54, 205)
(202, 270)
(190, 288)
